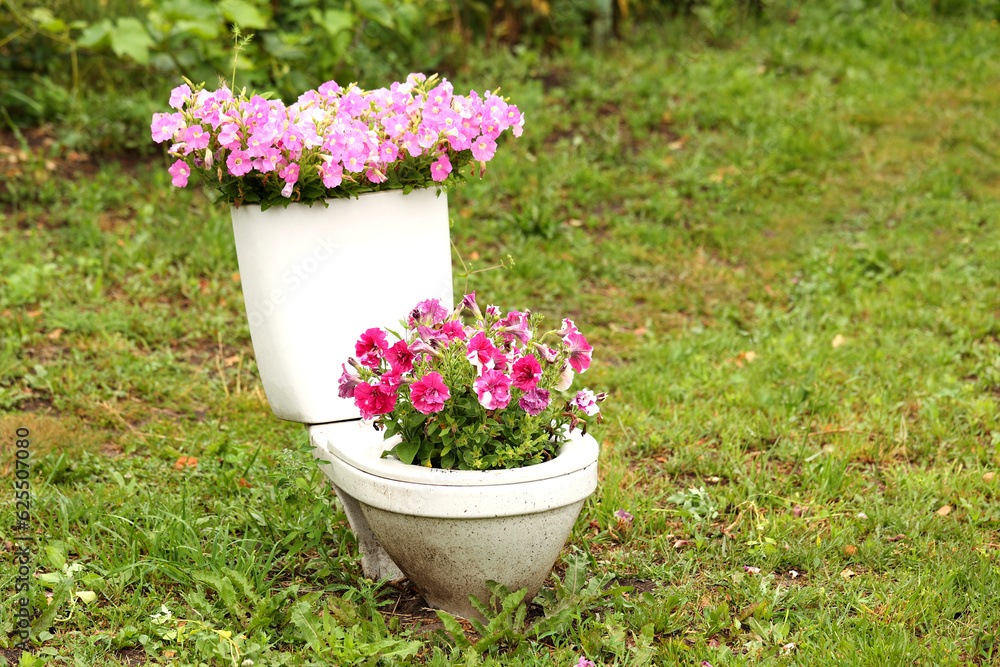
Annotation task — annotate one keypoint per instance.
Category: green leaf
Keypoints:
(130, 38)
(407, 451)
(335, 21)
(198, 28)
(376, 11)
(59, 597)
(95, 35)
(576, 572)
(87, 596)
(454, 628)
(308, 625)
(56, 553)
(243, 14)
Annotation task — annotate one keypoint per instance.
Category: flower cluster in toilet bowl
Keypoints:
(487, 395)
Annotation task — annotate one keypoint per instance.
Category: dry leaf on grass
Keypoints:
(944, 511)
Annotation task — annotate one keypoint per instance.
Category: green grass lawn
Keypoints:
(785, 249)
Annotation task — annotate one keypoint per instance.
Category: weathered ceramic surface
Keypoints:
(314, 278)
(450, 532)
(450, 559)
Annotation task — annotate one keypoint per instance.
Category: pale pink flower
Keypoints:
(290, 173)
(585, 401)
(332, 173)
(441, 168)
(179, 171)
(483, 149)
(565, 378)
(165, 126)
(493, 390)
(268, 161)
(239, 162)
(178, 95)
(429, 393)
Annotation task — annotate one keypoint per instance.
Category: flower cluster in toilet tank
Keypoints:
(485, 395)
(333, 141)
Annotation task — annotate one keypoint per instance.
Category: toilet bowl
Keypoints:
(451, 531)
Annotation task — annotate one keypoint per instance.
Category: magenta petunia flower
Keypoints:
(429, 393)
(493, 390)
(374, 400)
(469, 303)
(400, 357)
(371, 347)
(515, 326)
(526, 372)
(580, 352)
(179, 171)
(428, 311)
(535, 401)
(453, 330)
(480, 350)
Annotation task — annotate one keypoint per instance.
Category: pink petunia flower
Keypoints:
(586, 402)
(441, 168)
(178, 95)
(347, 383)
(479, 351)
(580, 352)
(400, 357)
(374, 400)
(239, 163)
(623, 516)
(493, 390)
(332, 173)
(371, 347)
(179, 171)
(483, 149)
(526, 372)
(429, 311)
(165, 126)
(429, 393)
(453, 330)
(565, 378)
(535, 401)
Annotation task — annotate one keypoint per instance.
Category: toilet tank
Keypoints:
(314, 278)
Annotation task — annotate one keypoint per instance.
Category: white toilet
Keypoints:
(315, 278)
